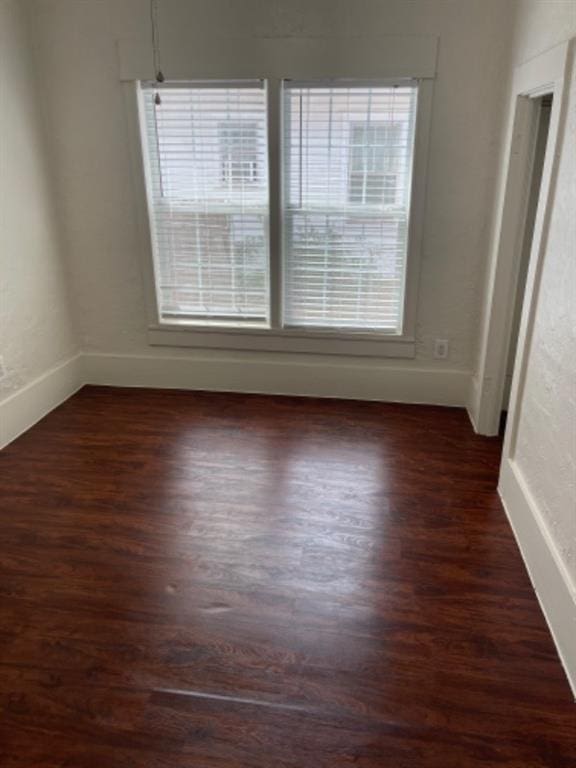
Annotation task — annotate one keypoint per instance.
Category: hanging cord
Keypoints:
(156, 48)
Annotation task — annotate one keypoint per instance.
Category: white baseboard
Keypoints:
(550, 579)
(28, 405)
(483, 422)
(366, 380)
(256, 373)
(472, 402)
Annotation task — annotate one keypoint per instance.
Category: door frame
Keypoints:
(546, 74)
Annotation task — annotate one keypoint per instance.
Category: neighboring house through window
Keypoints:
(375, 159)
(239, 152)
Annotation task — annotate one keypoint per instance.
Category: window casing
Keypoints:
(276, 331)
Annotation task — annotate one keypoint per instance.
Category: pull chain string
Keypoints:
(156, 47)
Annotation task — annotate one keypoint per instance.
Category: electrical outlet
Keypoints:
(441, 349)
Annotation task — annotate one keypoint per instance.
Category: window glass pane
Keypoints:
(347, 175)
(208, 195)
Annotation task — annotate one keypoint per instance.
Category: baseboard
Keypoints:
(472, 402)
(550, 579)
(482, 421)
(28, 405)
(256, 373)
(370, 380)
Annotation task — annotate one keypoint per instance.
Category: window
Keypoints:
(239, 152)
(374, 163)
(338, 259)
(208, 197)
(347, 178)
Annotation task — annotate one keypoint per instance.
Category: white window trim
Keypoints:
(276, 338)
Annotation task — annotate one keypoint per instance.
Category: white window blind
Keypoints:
(348, 153)
(208, 198)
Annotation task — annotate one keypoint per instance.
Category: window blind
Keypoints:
(348, 153)
(208, 199)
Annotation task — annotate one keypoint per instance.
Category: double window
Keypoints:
(333, 257)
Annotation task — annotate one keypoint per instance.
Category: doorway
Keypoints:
(542, 110)
(537, 124)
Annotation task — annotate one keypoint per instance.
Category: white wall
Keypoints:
(546, 445)
(84, 103)
(35, 325)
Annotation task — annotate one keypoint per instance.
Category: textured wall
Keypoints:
(546, 450)
(35, 328)
(84, 104)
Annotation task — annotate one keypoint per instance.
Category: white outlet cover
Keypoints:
(441, 347)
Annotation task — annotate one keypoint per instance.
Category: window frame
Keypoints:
(156, 204)
(323, 84)
(274, 337)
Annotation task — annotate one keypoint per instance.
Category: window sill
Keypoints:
(295, 341)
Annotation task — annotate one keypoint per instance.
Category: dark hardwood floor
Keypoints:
(234, 581)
